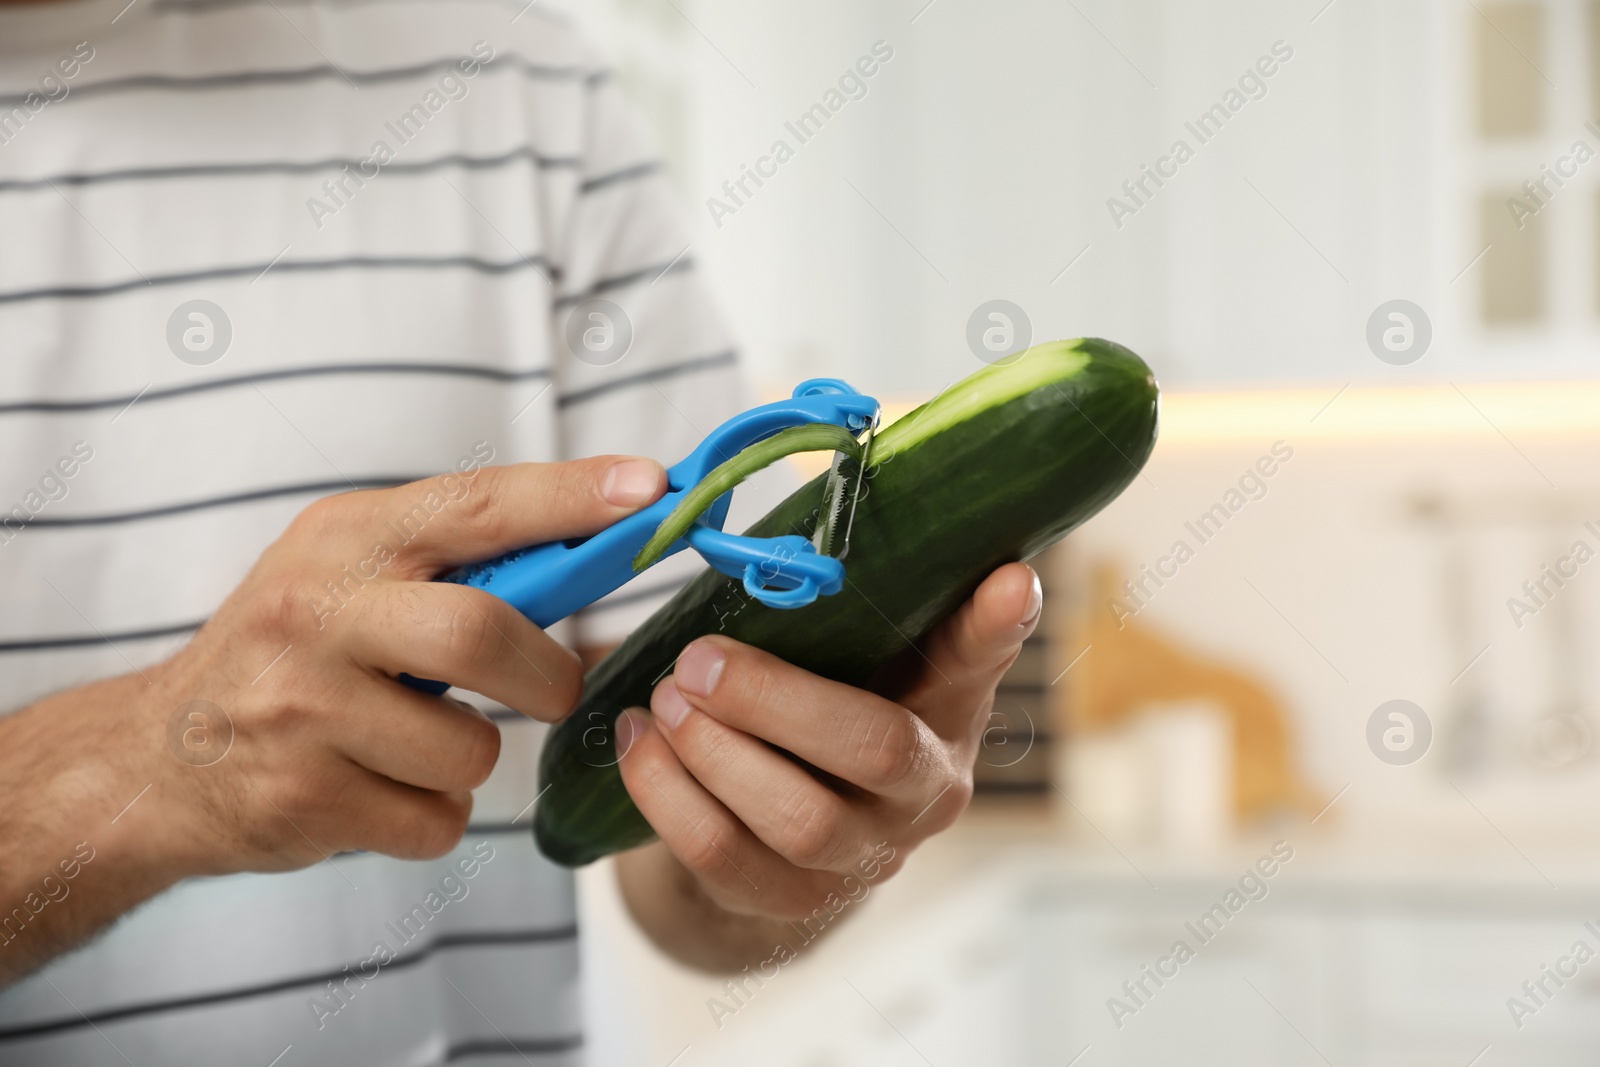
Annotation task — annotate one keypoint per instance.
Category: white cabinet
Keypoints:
(1018, 966)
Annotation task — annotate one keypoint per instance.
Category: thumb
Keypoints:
(971, 650)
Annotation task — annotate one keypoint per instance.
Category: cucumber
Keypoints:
(996, 468)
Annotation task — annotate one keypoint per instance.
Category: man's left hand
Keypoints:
(768, 784)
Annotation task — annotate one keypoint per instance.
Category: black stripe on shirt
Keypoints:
(482, 266)
(444, 942)
(512, 1046)
(671, 370)
(622, 281)
(641, 170)
(249, 496)
(310, 166)
(205, 7)
(42, 644)
(463, 370)
(301, 75)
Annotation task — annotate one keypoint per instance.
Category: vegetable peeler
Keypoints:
(551, 581)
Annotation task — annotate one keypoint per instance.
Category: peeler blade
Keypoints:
(840, 495)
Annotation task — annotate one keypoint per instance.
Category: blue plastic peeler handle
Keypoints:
(551, 581)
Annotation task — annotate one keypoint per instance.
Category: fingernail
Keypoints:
(669, 705)
(631, 483)
(1035, 603)
(630, 727)
(699, 668)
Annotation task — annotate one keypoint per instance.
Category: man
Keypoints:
(296, 305)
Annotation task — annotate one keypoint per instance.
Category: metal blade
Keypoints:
(840, 495)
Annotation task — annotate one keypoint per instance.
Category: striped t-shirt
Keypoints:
(253, 252)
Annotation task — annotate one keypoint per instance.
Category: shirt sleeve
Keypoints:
(644, 364)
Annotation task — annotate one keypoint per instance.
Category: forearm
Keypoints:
(674, 911)
(81, 841)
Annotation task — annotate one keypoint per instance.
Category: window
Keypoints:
(1511, 109)
(1513, 271)
(1510, 56)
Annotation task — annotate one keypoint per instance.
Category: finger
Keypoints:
(969, 652)
(739, 872)
(403, 821)
(454, 519)
(850, 733)
(789, 810)
(471, 639)
(433, 743)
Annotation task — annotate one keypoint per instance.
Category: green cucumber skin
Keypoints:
(936, 519)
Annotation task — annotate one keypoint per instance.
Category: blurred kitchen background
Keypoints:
(1374, 651)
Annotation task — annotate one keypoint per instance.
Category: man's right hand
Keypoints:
(329, 752)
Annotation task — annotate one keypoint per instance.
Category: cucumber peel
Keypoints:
(812, 437)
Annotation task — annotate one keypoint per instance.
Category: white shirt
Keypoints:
(391, 311)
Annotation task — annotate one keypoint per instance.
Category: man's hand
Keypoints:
(329, 752)
(768, 784)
